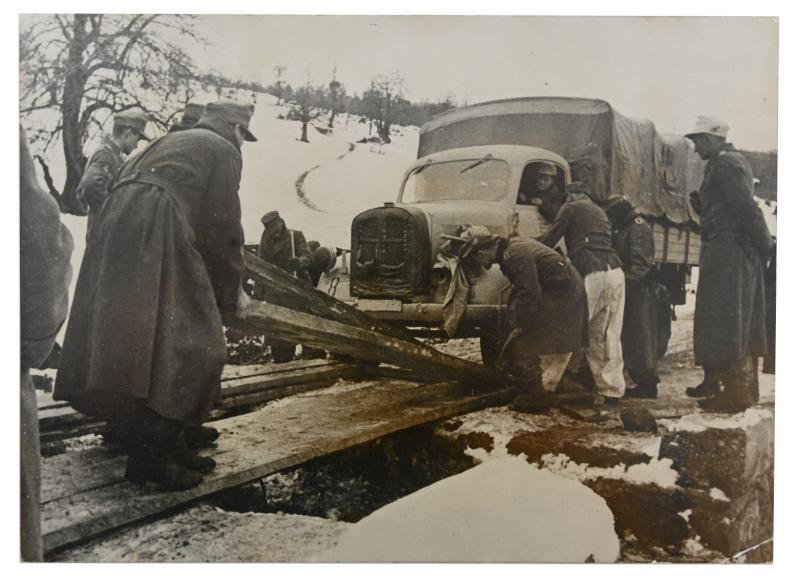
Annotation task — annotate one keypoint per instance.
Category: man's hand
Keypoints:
(294, 264)
(694, 200)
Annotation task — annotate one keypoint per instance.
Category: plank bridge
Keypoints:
(389, 383)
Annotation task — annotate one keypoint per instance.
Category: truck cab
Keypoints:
(395, 272)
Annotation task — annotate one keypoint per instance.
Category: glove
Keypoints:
(694, 200)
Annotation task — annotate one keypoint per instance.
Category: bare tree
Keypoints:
(306, 103)
(381, 101)
(77, 70)
(278, 86)
(335, 98)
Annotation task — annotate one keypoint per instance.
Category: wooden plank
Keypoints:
(58, 423)
(257, 444)
(259, 383)
(281, 288)
(266, 395)
(362, 344)
(233, 372)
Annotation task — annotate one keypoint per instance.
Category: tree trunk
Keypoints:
(331, 119)
(304, 132)
(72, 139)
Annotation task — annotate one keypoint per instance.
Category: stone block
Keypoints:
(650, 513)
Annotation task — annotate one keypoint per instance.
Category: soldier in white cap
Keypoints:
(729, 321)
(105, 163)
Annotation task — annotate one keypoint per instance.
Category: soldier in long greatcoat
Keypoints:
(634, 243)
(729, 321)
(45, 273)
(144, 346)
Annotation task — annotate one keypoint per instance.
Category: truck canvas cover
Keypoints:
(655, 172)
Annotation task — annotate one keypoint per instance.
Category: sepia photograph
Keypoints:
(343, 288)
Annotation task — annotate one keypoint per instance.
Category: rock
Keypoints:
(726, 465)
(638, 420)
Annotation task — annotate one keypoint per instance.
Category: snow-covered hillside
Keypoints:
(340, 178)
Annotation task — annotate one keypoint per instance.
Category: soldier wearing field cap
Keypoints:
(729, 320)
(587, 235)
(635, 246)
(191, 115)
(144, 346)
(103, 167)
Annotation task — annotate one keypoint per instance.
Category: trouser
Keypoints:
(553, 367)
(536, 372)
(605, 294)
(524, 366)
(30, 473)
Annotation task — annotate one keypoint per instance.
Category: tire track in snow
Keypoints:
(298, 184)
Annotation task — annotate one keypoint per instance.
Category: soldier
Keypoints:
(729, 320)
(105, 163)
(286, 249)
(191, 115)
(634, 243)
(144, 346)
(549, 317)
(45, 273)
(545, 193)
(587, 234)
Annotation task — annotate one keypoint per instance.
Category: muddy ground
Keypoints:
(302, 514)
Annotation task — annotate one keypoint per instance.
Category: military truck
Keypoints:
(472, 164)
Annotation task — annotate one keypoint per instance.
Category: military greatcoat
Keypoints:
(164, 262)
(729, 310)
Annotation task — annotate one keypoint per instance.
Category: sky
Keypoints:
(667, 69)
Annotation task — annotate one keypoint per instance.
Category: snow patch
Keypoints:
(717, 494)
(658, 472)
(503, 510)
(701, 422)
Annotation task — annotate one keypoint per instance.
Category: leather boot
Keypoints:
(646, 381)
(729, 402)
(200, 436)
(736, 396)
(162, 468)
(709, 386)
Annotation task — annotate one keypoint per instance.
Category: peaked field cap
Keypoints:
(135, 119)
(270, 216)
(547, 169)
(192, 113)
(709, 125)
(233, 113)
(579, 188)
(617, 204)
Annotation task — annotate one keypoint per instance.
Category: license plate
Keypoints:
(380, 305)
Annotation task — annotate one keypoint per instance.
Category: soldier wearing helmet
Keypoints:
(545, 192)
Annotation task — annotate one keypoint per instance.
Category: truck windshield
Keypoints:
(475, 179)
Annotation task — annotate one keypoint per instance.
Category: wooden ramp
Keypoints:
(84, 494)
(241, 386)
